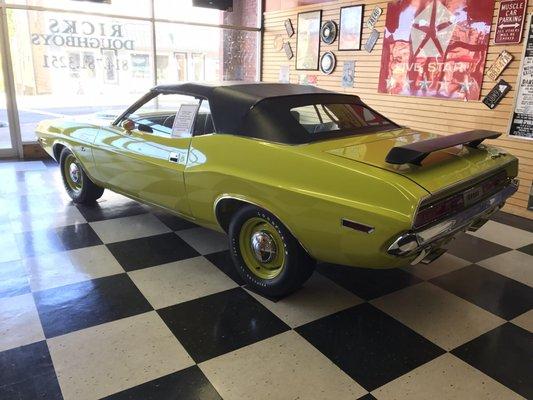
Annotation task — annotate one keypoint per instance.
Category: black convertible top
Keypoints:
(259, 110)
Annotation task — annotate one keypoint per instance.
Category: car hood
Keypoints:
(439, 170)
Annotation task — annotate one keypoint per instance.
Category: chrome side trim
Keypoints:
(413, 242)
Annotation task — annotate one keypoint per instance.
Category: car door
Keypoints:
(144, 153)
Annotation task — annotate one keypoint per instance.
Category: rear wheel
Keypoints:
(266, 254)
(77, 184)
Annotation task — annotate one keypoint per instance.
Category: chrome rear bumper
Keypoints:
(421, 241)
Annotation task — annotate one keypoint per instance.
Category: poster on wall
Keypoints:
(522, 121)
(308, 40)
(435, 48)
(350, 28)
(510, 21)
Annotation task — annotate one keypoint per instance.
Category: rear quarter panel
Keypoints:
(309, 191)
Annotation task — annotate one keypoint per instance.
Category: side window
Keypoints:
(157, 116)
(204, 120)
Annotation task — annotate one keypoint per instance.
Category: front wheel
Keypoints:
(266, 254)
(77, 184)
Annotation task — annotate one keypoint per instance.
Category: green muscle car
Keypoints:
(293, 174)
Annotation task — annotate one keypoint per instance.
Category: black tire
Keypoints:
(82, 190)
(297, 266)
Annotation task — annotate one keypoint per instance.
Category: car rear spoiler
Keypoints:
(414, 153)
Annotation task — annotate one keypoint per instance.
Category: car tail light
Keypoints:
(459, 201)
(439, 210)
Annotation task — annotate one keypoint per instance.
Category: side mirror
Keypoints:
(128, 125)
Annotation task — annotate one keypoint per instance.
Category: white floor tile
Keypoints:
(525, 321)
(59, 269)
(19, 322)
(137, 226)
(504, 234)
(438, 315)
(285, 366)
(180, 281)
(98, 361)
(445, 377)
(204, 241)
(513, 264)
(319, 297)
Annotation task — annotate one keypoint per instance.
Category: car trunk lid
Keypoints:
(441, 169)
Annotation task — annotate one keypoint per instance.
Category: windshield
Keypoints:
(323, 118)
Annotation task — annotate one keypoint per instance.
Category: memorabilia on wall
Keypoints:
(350, 28)
(373, 19)
(328, 33)
(308, 40)
(288, 50)
(288, 27)
(511, 19)
(429, 51)
(348, 74)
(522, 121)
(328, 63)
(284, 76)
(372, 40)
(304, 79)
(497, 93)
(499, 65)
(277, 43)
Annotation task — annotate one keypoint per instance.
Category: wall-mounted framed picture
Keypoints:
(350, 27)
(308, 40)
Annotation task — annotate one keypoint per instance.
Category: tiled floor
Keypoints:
(123, 302)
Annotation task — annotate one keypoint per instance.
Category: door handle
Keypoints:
(174, 157)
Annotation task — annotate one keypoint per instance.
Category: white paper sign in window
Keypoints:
(184, 121)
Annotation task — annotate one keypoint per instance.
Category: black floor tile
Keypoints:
(81, 305)
(368, 283)
(487, 289)
(217, 324)
(27, 373)
(527, 249)
(151, 251)
(513, 220)
(77, 236)
(223, 262)
(111, 208)
(369, 345)
(173, 222)
(188, 384)
(367, 397)
(13, 279)
(505, 354)
(474, 249)
(64, 238)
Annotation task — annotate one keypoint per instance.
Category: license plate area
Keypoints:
(472, 195)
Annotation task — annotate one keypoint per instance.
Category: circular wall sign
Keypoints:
(327, 62)
(328, 32)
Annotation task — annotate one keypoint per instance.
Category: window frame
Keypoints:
(11, 95)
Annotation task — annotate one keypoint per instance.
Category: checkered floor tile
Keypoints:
(121, 301)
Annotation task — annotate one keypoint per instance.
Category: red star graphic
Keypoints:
(432, 30)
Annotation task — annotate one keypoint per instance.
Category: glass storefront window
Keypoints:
(72, 64)
(5, 138)
(210, 54)
(245, 13)
(125, 8)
